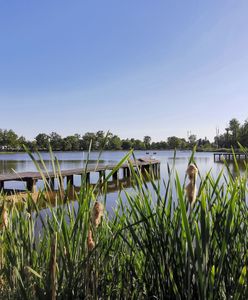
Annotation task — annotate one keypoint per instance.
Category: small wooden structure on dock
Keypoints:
(229, 156)
(31, 178)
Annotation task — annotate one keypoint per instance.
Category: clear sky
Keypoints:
(134, 67)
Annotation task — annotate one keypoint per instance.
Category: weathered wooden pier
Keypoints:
(31, 178)
(229, 156)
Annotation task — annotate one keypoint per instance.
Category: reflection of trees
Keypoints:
(232, 167)
(6, 166)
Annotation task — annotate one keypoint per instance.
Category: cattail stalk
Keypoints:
(90, 241)
(53, 267)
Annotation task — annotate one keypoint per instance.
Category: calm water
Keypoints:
(20, 162)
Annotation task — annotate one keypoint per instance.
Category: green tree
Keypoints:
(1, 139)
(138, 145)
(100, 140)
(234, 127)
(71, 142)
(114, 143)
(42, 141)
(162, 145)
(56, 141)
(173, 142)
(244, 134)
(147, 141)
(21, 141)
(87, 138)
(126, 144)
(8, 139)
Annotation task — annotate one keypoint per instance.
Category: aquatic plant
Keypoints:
(150, 247)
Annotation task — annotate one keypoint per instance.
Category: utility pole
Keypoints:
(217, 136)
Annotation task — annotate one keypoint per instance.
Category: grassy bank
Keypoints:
(155, 245)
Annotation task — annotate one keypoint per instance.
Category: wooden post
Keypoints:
(88, 178)
(101, 176)
(116, 175)
(69, 180)
(126, 172)
(1, 185)
(31, 185)
(61, 182)
(156, 170)
(154, 166)
(51, 183)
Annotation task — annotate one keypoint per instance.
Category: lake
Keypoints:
(20, 162)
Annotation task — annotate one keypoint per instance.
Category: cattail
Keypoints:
(192, 172)
(5, 219)
(90, 242)
(191, 192)
(97, 214)
(65, 251)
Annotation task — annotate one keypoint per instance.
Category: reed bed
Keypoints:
(156, 245)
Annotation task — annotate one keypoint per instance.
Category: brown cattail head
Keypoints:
(97, 214)
(191, 192)
(90, 242)
(192, 172)
(5, 219)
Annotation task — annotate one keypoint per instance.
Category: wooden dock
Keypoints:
(229, 156)
(31, 178)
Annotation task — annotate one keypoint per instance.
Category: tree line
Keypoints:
(10, 141)
(235, 133)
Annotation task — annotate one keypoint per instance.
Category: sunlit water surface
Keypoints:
(21, 162)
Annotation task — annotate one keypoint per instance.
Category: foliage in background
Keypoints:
(235, 133)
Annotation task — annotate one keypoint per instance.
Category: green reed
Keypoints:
(153, 245)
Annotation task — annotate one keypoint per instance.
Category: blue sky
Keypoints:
(134, 67)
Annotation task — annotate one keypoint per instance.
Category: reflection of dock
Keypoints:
(230, 156)
(31, 178)
(60, 196)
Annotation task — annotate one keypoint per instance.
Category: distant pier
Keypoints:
(31, 178)
(230, 156)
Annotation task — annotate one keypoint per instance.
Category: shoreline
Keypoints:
(224, 150)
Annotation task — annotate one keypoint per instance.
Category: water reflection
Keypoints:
(232, 167)
(21, 162)
(10, 166)
(71, 192)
